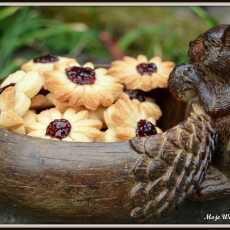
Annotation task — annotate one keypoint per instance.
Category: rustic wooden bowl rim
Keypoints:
(44, 140)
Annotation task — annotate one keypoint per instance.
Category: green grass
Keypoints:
(204, 15)
(26, 32)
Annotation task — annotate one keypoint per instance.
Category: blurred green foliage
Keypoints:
(26, 32)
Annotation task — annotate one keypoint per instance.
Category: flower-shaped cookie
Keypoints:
(142, 73)
(46, 63)
(19, 129)
(143, 127)
(40, 102)
(18, 89)
(67, 126)
(98, 114)
(110, 135)
(83, 86)
(62, 106)
(147, 104)
(9, 118)
(125, 119)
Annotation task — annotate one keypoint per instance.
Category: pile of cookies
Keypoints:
(57, 98)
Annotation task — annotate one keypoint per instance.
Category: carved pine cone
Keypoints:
(172, 165)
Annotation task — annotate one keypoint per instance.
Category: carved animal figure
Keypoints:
(190, 160)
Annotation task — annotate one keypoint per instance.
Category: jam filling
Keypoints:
(145, 128)
(44, 92)
(146, 68)
(81, 75)
(5, 87)
(48, 58)
(58, 128)
(135, 94)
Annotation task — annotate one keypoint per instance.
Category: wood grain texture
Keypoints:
(87, 182)
(215, 186)
(80, 180)
(173, 166)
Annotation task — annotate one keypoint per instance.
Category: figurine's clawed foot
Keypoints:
(183, 81)
(215, 186)
(138, 144)
(147, 145)
(187, 74)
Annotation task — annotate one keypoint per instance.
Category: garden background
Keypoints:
(100, 34)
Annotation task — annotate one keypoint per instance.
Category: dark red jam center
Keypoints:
(48, 58)
(81, 75)
(146, 68)
(145, 128)
(135, 94)
(58, 128)
(5, 87)
(44, 92)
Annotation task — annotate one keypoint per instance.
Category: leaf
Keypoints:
(200, 12)
(10, 67)
(14, 30)
(151, 31)
(8, 11)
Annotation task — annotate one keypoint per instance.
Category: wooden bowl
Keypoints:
(89, 182)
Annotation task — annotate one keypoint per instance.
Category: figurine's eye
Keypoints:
(188, 71)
